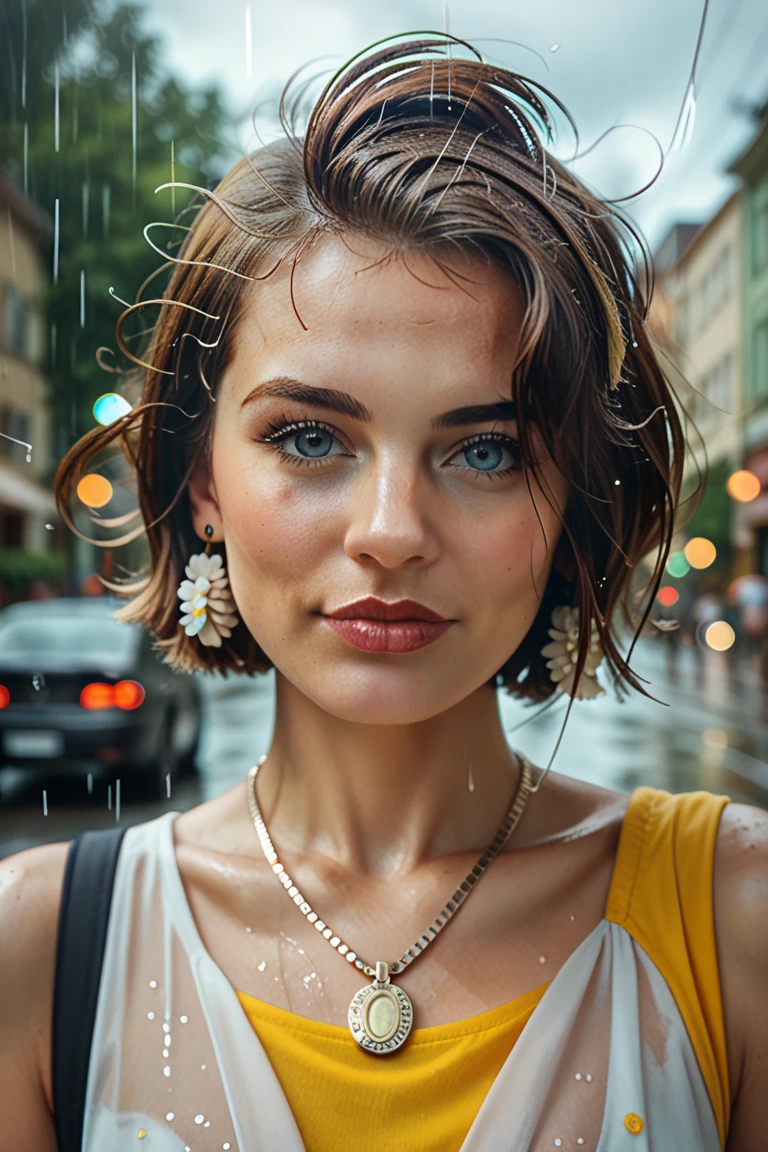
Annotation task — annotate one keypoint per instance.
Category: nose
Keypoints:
(389, 521)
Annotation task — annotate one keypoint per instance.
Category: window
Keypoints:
(16, 323)
(760, 227)
(760, 372)
(16, 425)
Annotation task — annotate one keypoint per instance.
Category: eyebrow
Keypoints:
(289, 389)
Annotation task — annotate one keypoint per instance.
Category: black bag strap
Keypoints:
(83, 918)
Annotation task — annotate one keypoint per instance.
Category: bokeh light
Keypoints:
(667, 596)
(677, 565)
(110, 407)
(700, 552)
(743, 486)
(719, 636)
(94, 490)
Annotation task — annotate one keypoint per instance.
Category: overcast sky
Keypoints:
(617, 62)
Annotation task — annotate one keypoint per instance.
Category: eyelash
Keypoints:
(284, 428)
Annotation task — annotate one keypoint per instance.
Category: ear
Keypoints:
(204, 504)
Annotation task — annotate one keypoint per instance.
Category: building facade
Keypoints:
(26, 504)
(696, 318)
(752, 167)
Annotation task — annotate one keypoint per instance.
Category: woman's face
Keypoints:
(366, 488)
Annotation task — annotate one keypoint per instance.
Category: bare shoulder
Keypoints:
(30, 894)
(741, 929)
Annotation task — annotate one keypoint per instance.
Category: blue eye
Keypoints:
(311, 441)
(491, 453)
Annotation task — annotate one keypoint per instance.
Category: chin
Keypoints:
(382, 696)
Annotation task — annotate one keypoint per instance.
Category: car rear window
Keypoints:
(82, 635)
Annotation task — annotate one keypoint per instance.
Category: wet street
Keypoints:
(709, 729)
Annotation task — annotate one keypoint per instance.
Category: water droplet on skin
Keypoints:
(166, 1053)
(150, 1015)
(589, 1078)
(261, 966)
(166, 1027)
(169, 1115)
(558, 1142)
(184, 1019)
(573, 917)
(199, 1118)
(166, 1070)
(249, 929)
(203, 1067)
(580, 1140)
(542, 959)
(578, 1075)
(226, 1146)
(153, 983)
(207, 1124)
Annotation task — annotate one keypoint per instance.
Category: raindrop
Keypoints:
(150, 1015)
(45, 802)
(617, 483)
(183, 1019)
(106, 198)
(199, 1118)
(117, 802)
(169, 1115)
(168, 785)
(109, 797)
(82, 298)
(207, 1124)
(542, 959)
(133, 119)
(153, 983)
(578, 1075)
(248, 43)
(49, 527)
(554, 47)
(56, 105)
(28, 457)
(165, 1053)
(26, 157)
(167, 1070)
(634, 343)
(56, 241)
(90, 783)
(38, 681)
(589, 1078)
(86, 202)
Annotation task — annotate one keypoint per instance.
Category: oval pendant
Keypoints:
(380, 1017)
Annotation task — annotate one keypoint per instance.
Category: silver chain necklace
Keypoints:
(381, 1014)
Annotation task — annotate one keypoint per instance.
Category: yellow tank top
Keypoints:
(426, 1098)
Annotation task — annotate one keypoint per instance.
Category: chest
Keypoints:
(529, 912)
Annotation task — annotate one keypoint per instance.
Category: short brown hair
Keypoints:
(420, 144)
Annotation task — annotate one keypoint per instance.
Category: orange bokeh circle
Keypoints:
(743, 486)
(94, 490)
(700, 552)
(720, 636)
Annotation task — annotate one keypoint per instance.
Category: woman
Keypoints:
(404, 438)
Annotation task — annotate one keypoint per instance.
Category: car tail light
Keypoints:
(95, 696)
(129, 694)
(126, 694)
(5, 696)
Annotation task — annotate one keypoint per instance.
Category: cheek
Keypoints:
(512, 557)
(274, 532)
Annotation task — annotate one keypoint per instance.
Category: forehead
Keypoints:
(367, 312)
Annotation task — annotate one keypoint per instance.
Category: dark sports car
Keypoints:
(77, 687)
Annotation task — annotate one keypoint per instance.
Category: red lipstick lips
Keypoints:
(375, 625)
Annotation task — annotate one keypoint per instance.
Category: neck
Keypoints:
(383, 799)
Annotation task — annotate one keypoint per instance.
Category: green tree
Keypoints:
(124, 125)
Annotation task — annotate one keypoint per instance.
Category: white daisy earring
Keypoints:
(207, 609)
(562, 655)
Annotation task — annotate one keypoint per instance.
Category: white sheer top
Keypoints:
(176, 1065)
